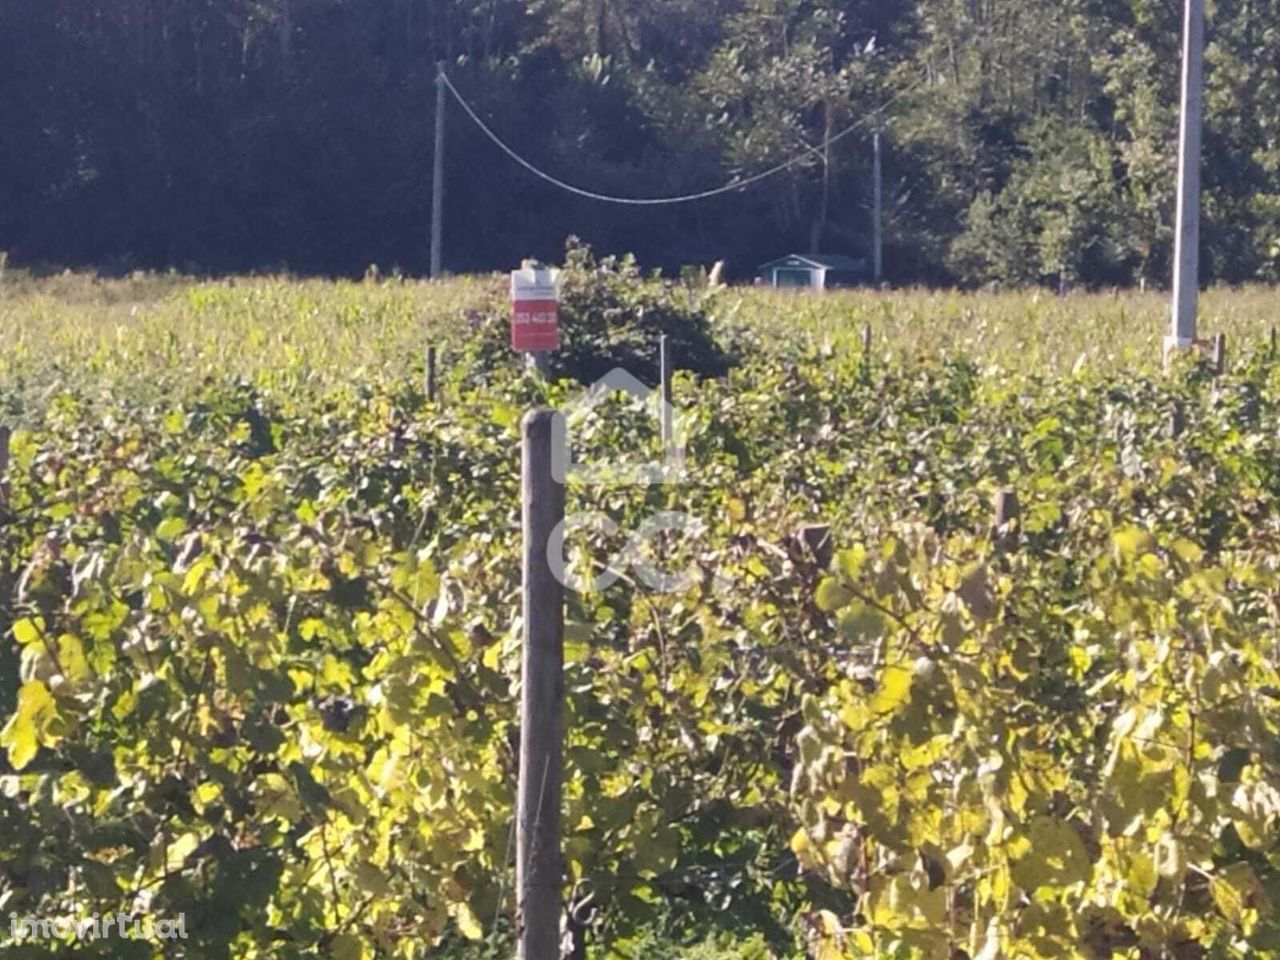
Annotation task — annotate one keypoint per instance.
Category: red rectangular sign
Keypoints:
(535, 308)
(535, 325)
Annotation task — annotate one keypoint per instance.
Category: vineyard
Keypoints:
(260, 594)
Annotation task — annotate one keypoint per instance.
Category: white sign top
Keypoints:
(535, 283)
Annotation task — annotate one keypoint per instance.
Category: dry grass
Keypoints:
(1033, 332)
(157, 333)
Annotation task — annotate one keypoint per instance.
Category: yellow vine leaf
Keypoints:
(28, 728)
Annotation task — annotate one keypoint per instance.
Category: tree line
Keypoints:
(1025, 141)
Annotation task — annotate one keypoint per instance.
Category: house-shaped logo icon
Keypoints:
(675, 428)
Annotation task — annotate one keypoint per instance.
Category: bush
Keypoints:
(611, 315)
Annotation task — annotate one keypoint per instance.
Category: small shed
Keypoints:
(814, 271)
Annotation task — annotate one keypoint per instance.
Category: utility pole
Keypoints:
(877, 207)
(1186, 258)
(437, 180)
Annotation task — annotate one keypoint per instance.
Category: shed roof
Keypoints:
(817, 261)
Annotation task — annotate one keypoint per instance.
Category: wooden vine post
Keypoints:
(1007, 513)
(432, 385)
(539, 872)
(1219, 354)
(668, 410)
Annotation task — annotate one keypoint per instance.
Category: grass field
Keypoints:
(259, 605)
(157, 329)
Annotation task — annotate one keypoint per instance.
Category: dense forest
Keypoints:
(1025, 141)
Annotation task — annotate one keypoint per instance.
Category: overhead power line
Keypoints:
(660, 201)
